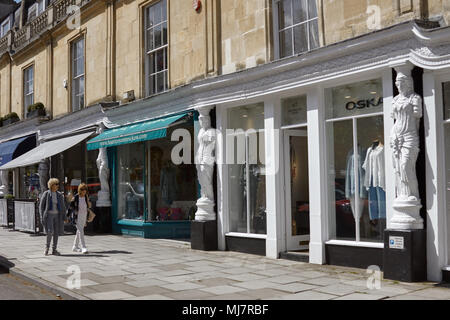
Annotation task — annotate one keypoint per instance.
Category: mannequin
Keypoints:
(374, 181)
(350, 183)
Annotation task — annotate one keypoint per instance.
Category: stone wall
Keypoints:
(245, 34)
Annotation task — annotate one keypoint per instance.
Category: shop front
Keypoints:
(153, 195)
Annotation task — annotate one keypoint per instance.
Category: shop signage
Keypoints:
(396, 242)
(361, 104)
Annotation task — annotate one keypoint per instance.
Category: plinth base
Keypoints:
(404, 256)
(406, 215)
(204, 235)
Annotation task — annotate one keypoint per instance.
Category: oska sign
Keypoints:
(361, 104)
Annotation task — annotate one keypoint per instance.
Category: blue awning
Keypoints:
(14, 148)
(148, 130)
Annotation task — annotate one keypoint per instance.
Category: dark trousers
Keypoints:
(52, 229)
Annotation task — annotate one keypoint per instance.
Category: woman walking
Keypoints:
(80, 206)
(52, 209)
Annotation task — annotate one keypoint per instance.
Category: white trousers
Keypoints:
(81, 221)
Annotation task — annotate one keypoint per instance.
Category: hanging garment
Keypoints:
(374, 168)
(350, 175)
(377, 203)
(168, 185)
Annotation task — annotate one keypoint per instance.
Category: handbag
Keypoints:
(91, 215)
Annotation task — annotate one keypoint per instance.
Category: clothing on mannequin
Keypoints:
(168, 183)
(350, 182)
(374, 180)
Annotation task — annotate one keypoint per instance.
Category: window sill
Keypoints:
(378, 245)
(246, 235)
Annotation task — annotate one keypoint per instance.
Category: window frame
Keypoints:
(7, 21)
(147, 54)
(276, 29)
(79, 76)
(25, 94)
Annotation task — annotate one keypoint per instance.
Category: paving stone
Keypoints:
(255, 284)
(338, 289)
(266, 293)
(245, 277)
(435, 293)
(110, 295)
(325, 281)
(409, 297)
(145, 291)
(285, 279)
(181, 286)
(294, 287)
(239, 270)
(220, 290)
(361, 296)
(272, 272)
(308, 295)
(211, 282)
(228, 297)
(145, 283)
(189, 295)
(151, 297)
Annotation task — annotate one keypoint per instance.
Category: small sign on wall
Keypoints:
(396, 243)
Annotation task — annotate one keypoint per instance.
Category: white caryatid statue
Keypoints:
(205, 160)
(404, 141)
(4, 182)
(104, 199)
(43, 170)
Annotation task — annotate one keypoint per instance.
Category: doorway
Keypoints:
(297, 189)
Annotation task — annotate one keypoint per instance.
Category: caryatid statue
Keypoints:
(103, 173)
(4, 182)
(404, 141)
(205, 160)
(43, 170)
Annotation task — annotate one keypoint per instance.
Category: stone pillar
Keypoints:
(43, 170)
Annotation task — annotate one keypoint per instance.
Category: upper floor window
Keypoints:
(77, 88)
(297, 26)
(5, 27)
(28, 88)
(156, 75)
(40, 6)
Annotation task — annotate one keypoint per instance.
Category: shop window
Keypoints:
(293, 111)
(150, 186)
(156, 48)
(29, 186)
(28, 88)
(131, 193)
(246, 169)
(77, 54)
(173, 188)
(355, 139)
(298, 28)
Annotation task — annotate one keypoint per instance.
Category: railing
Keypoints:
(55, 13)
(20, 37)
(39, 24)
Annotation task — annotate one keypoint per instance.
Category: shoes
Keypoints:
(56, 253)
(84, 250)
(76, 249)
(46, 252)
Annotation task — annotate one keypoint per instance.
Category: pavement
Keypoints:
(121, 267)
(14, 288)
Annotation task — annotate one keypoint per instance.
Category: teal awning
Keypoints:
(149, 130)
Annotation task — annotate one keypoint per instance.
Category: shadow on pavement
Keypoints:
(112, 252)
(5, 265)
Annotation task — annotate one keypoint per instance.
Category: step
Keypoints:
(295, 256)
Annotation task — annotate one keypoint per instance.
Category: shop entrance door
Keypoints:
(297, 189)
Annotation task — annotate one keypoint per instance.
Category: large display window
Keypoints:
(150, 186)
(29, 186)
(246, 169)
(356, 175)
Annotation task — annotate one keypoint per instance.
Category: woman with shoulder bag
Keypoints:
(80, 206)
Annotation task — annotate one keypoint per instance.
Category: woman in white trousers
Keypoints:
(79, 206)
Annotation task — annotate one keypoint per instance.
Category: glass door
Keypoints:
(297, 189)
